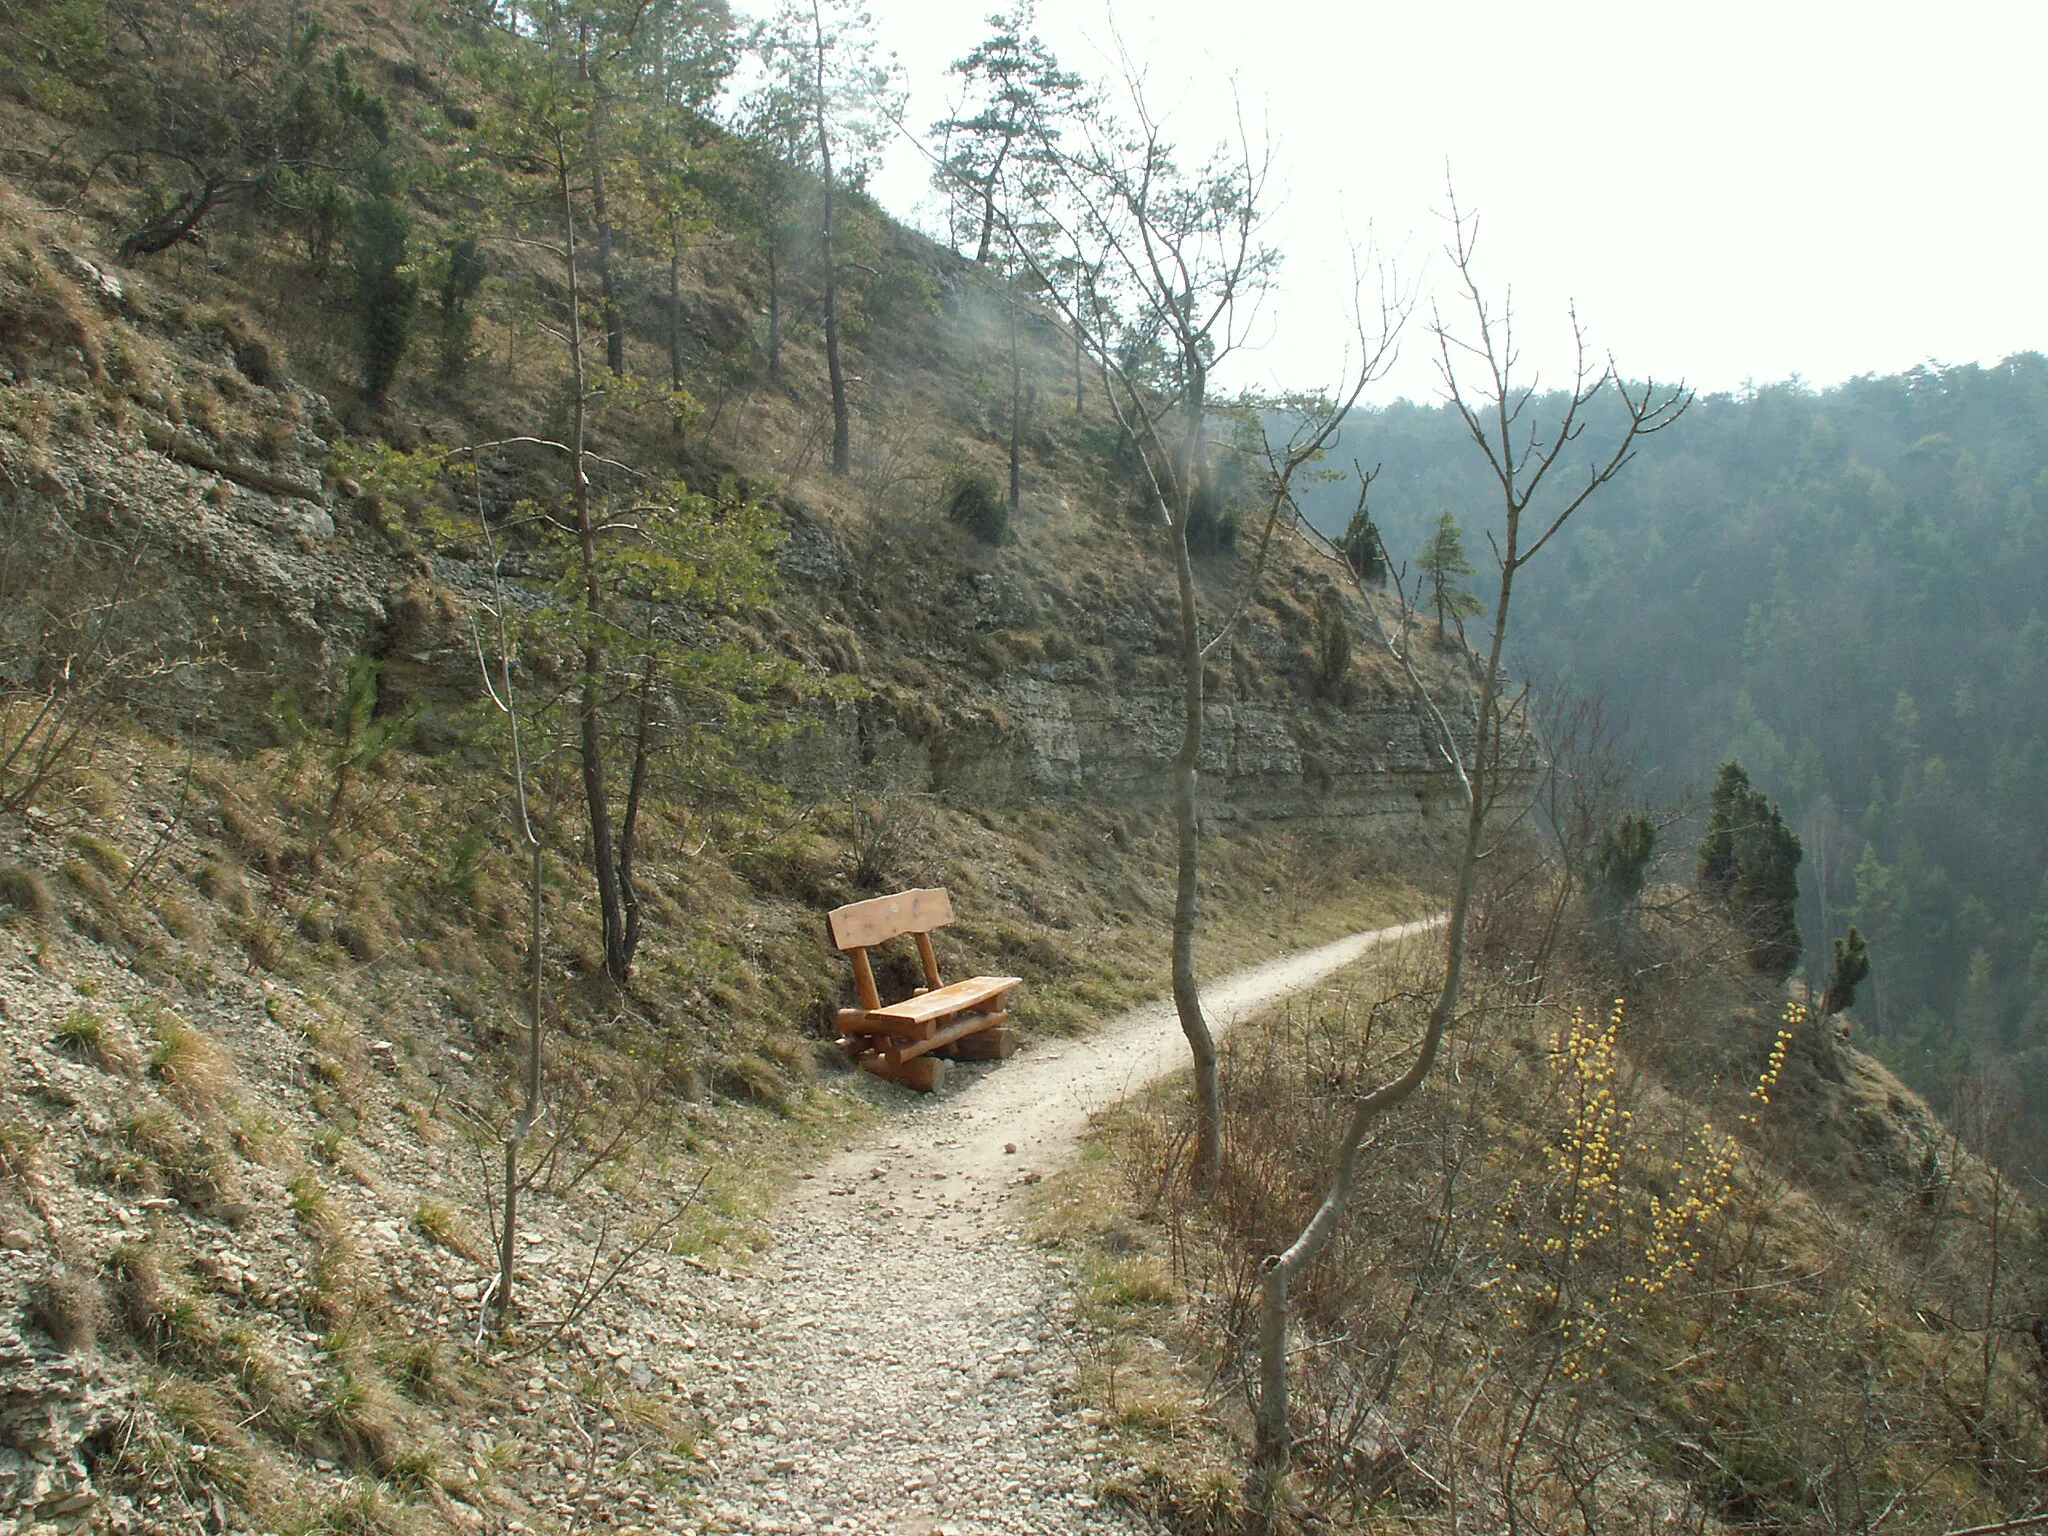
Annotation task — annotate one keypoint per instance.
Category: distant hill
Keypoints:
(1847, 590)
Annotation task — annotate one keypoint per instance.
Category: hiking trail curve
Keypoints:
(897, 1358)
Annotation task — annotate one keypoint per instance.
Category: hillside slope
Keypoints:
(264, 923)
(1651, 1250)
(262, 906)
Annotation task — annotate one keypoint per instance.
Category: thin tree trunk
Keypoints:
(629, 824)
(1991, 1297)
(1016, 412)
(675, 314)
(600, 213)
(1187, 999)
(1080, 347)
(590, 703)
(515, 1138)
(617, 962)
(988, 206)
(774, 314)
(502, 695)
(842, 439)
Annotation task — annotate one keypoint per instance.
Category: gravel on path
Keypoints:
(897, 1362)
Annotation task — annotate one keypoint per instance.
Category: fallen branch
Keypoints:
(2024, 1523)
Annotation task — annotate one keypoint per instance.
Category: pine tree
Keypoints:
(1363, 550)
(1851, 965)
(1766, 895)
(1445, 566)
(1716, 869)
(1017, 96)
(828, 80)
(462, 276)
(1749, 863)
(387, 291)
(1622, 863)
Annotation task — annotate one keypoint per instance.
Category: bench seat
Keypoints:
(955, 997)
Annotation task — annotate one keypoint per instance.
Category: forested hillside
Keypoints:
(500, 534)
(1847, 591)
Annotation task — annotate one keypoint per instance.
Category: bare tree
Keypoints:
(72, 643)
(1179, 266)
(1534, 467)
(496, 670)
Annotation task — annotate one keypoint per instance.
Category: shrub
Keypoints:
(1333, 648)
(975, 502)
(1363, 551)
(1749, 864)
(28, 892)
(1622, 861)
(1851, 965)
(462, 276)
(1212, 523)
(387, 291)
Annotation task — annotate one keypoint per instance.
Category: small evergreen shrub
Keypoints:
(975, 502)
(1210, 532)
(1333, 649)
(387, 291)
(1851, 965)
(1363, 551)
(462, 276)
(1749, 865)
(1622, 863)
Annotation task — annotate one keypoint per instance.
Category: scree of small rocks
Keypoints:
(899, 1360)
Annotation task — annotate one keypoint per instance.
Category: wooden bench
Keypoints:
(908, 1042)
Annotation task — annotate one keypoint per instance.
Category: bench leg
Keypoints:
(994, 1044)
(925, 1073)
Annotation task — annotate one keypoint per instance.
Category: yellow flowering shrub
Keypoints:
(1613, 1221)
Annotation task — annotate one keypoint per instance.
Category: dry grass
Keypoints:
(1466, 1330)
(21, 1148)
(191, 1067)
(440, 1224)
(189, 1159)
(87, 1036)
(26, 893)
(70, 1308)
(165, 1316)
(361, 1422)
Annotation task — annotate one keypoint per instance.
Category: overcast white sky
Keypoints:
(1732, 190)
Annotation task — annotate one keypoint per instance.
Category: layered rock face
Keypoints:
(238, 594)
(1365, 764)
(1066, 731)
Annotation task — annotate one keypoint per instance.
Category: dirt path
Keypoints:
(897, 1359)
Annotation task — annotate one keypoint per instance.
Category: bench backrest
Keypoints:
(862, 923)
